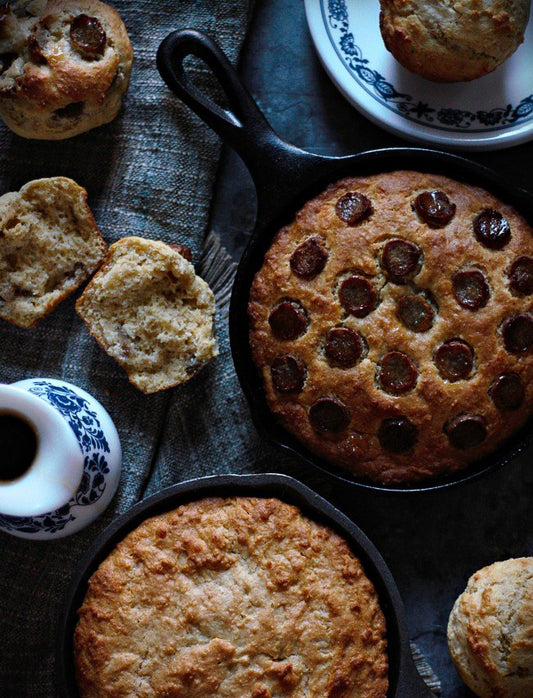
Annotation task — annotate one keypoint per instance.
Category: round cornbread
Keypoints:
(231, 597)
(392, 325)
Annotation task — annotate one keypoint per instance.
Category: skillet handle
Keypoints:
(279, 170)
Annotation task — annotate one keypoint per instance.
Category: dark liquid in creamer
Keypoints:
(18, 446)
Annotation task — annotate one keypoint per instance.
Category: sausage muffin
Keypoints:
(64, 66)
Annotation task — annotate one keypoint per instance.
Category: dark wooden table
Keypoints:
(432, 543)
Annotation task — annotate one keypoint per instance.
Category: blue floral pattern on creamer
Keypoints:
(89, 433)
(75, 409)
(404, 104)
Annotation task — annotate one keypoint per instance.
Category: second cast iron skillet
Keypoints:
(285, 178)
(404, 680)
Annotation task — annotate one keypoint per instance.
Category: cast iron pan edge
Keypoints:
(404, 679)
(285, 178)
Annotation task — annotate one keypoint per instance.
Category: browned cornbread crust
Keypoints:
(231, 597)
(433, 402)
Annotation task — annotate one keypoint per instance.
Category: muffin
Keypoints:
(49, 245)
(150, 312)
(451, 41)
(490, 631)
(64, 66)
(231, 597)
(392, 325)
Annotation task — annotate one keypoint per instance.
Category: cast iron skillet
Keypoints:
(285, 178)
(404, 679)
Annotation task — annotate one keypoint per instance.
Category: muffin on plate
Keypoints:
(49, 245)
(450, 41)
(64, 66)
(392, 325)
(490, 630)
(150, 312)
(232, 597)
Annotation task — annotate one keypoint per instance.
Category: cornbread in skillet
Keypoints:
(149, 310)
(490, 631)
(392, 325)
(452, 40)
(49, 245)
(231, 597)
(64, 66)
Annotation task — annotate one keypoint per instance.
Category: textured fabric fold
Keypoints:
(148, 174)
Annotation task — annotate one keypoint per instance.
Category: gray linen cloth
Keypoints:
(149, 173)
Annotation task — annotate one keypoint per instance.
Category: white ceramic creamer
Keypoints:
(60, 462)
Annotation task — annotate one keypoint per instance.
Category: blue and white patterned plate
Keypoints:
(493, 112)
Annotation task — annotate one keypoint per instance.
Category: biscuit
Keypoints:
(150, 312)
(450, 41)
(392, 325)
(233, 597)
(49, 245)
(64, 66)
(490, 630)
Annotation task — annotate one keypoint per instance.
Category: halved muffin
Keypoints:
(150, 311)
(49, 245)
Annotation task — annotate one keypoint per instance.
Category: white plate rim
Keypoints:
(383, 116)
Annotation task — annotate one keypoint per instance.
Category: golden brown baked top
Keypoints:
(391, 322)
(490, 630)
(231, 597)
